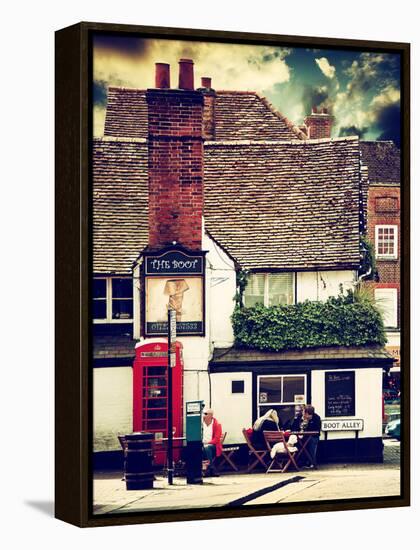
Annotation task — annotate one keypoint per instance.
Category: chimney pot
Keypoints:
(186, 74)
(162, 75)
(325, 110)
(205, 82)
(314, 109)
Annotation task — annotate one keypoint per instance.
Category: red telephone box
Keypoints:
(150, 389)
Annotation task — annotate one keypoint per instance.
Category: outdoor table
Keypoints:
(160, 446)
(303, 439)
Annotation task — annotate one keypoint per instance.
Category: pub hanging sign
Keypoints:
(174, 279)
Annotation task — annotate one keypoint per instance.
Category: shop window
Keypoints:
(238, 386)
(386, 241)
(112, 299)
(270, 289)
(387, 302)
(281, 393)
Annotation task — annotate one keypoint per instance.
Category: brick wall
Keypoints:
(384, 209)
(175, 119)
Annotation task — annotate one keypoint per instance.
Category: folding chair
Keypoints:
(227, 453)
(258, 454)
(283, 458)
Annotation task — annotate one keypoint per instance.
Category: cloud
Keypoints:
(130, 63)
(99, 92)
(385, 114)
(325, 67)
(232, 66)
(317, 96)
(353, 131)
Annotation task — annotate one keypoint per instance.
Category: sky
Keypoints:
(361, 89)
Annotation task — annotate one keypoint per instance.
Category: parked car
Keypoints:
(391, 396)
(393, 428)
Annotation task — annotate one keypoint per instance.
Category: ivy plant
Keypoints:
(345, 320)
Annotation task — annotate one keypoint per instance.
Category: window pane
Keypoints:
(285, 414)
(122, 309)
(254, 290)
(292, 385)
(122, 288)
(99, 309)
(386, 241)
(270, 390)
(280, 289)
(99, 288)
(386, 301)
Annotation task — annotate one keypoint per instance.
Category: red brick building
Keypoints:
(383, 229)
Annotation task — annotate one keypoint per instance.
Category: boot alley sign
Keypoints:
(174, 279)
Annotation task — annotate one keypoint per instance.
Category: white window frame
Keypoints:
(282, 376)
(109, 319)
(392, 256)
(392, 295)
(266, 285)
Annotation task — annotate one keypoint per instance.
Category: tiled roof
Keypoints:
(223, 356)
(290, 205)
(383, 161)
(247, 115)
(120, 212)
(285, 205)
(106, 346)
(238, 115)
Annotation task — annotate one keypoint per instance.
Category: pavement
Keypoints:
(330, 481)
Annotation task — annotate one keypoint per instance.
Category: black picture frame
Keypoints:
(73, 363)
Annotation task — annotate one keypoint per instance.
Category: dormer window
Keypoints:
(270, 289)
(112, 300)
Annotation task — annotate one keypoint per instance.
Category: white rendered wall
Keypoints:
(368, 401)
(221, 282)
(233, 410)
(112, 406)
(319, 285)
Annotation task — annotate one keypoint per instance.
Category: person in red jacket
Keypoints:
(212, 445)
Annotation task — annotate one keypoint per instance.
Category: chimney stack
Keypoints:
(209, 123)
(186, 74)
(206, 82)
(319, 123)
(175, 147)
(162, 75)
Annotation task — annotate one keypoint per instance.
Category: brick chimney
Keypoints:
(175, 146)
(319, 124)
(209, 123)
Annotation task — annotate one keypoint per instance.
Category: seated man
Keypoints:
(311, 423)
(212, 446)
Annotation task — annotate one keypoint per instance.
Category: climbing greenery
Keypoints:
(241, 282)
(368, 260)
(346, 320)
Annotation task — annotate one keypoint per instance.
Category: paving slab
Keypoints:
(111, 496)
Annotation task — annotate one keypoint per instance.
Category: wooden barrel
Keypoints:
(139, 461)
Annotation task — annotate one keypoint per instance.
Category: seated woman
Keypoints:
(269, 422)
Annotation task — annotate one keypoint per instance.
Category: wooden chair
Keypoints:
(227, 453)
(253, 452)
(283, 458)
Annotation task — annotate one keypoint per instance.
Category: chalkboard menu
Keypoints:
(339, 393)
